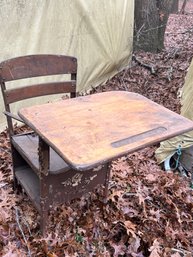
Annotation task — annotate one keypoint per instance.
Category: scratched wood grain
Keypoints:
(94, 129)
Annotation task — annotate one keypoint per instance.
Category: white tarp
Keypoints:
(169, 147)
(98, 32)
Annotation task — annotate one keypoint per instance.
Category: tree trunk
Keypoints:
(182, 11)
(175, 6)
(150, 23)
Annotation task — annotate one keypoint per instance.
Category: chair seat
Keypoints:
(27, 146)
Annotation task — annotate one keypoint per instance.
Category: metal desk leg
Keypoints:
(108, 169)
(44, 161)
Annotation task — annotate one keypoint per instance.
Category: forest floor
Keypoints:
(149, 212)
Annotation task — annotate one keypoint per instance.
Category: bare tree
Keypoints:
(175, 6)
(151, 18)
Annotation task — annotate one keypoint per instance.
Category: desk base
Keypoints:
(47, 192)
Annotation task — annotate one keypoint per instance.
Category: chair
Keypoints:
(61, 183)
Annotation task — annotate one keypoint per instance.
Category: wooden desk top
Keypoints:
(91, 130)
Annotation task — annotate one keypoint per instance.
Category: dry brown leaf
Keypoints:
(131, 228)
(151, 177)
(155, 249)
(119, 249)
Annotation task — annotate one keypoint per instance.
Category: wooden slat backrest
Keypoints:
(35, 66)
(18, 94)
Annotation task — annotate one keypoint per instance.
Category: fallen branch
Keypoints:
(149, 67)
(183, 251)
(169, 73)
(21, 230)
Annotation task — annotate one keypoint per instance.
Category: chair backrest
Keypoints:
(35, 66)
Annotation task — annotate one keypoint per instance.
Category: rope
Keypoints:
(179, 153)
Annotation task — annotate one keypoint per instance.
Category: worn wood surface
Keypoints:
(90, 130)
(36, 65)
(18, 94)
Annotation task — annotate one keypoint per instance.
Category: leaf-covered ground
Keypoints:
(149, 212)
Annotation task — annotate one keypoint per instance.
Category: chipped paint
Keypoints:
(77, 180)
(74, 181)
(98, 168)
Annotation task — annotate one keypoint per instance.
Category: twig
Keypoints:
(20, 228)
(129, 194)
(180, 32)
(171, 55)
(169, 73)
(27, 225)
(3, 184)
(142, 30)
(112, 184)
(149, 67)
(180, 251)
(122, 79)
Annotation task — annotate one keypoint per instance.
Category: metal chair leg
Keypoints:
(43, 218)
